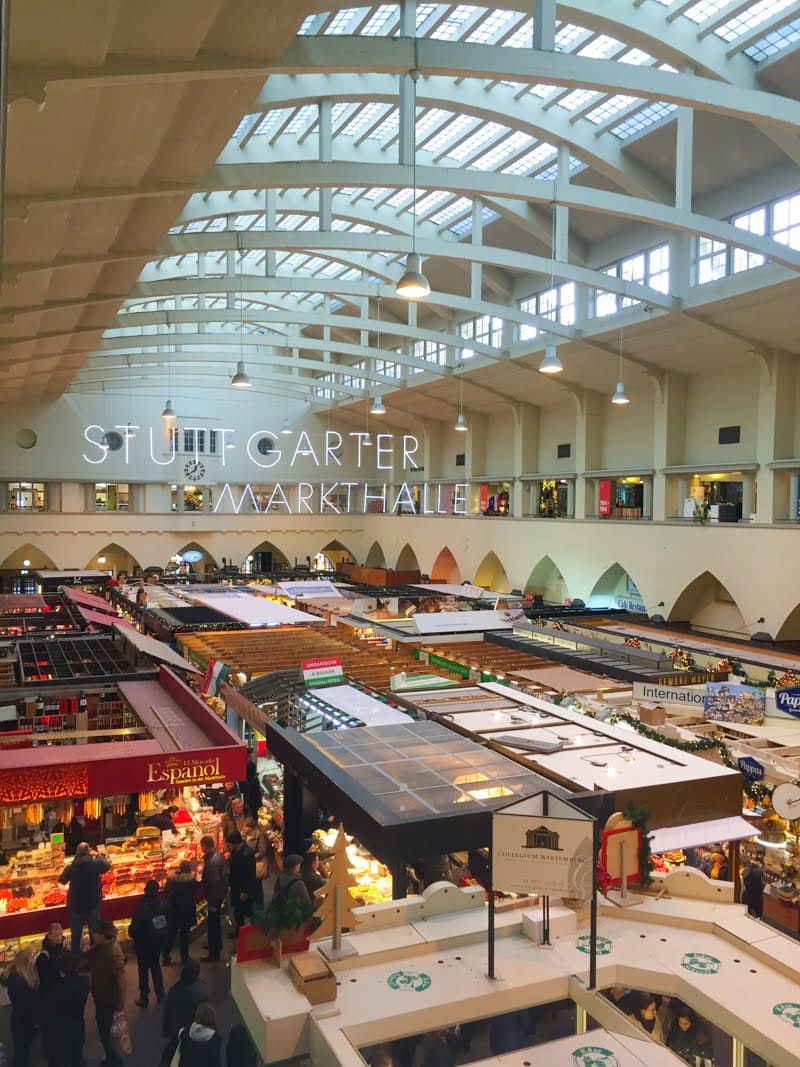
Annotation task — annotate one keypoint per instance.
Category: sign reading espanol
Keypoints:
(177, 770)
(326, 670)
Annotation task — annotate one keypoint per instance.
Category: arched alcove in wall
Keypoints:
(706, 604)
(615, 588)
(267, 557)
(790, 630)
(29, 557)
(113, 557)
(491, 574)
(198, 566)
(375, 556)
(407, 560)
(546, 581)
(445, 569)
(335, 552)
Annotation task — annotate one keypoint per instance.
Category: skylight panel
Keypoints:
(362, 118)
(775, 42)
(271, 121)
(543, 91)
(316, 265)
(302, 118)
(381, 21)
(243, 222)
(350, 275)
(453, 130)
(195, 227)
(388, 128)
(242, 127)
(485, 133)
(401, 198)
(462, 228)
(375, 192)
(531, 159)
(751, 18)
(449, 28)
(288, 222)
(704, 10)
(430, 118)
(610, 107)
(636, 57)
(522, 37)
(331, 269)
(311, 222)
(641, 120)
(309, 26)
(514, 143)
(453, 210)
(568, 35)
(490, 28)
(342, 21)
(577, 98)
(431, 200)
(575, 165)
(600, 48)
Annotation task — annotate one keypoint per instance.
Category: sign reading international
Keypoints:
(689, 696)
(534, 852)
(326, 670)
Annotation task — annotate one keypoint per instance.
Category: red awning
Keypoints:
(10, 603)
(105, 622)
(88, 600)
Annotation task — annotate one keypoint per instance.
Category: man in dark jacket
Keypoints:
(215, 888)
(180, 1004)
(244, 885)
(290, 884)
(107, 970)
(85, 891)
(48, 962)
(148, 931)
(181, 890)
(63, 1019)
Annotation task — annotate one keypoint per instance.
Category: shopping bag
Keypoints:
(121, 1034)
(176, 1055)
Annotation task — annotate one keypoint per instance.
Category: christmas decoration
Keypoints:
(633, 642)
(787, 680)
(336, 902)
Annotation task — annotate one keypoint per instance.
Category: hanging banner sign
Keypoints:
(726, 702)
(537, 853)
(324, 671)
(604, 497)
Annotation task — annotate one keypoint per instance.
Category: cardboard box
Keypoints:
(313, 977)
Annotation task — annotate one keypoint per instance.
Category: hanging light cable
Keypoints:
(551, 364)
(240, 380)
(413, 285)
(620, 396)
(377, 401)
(461, 422)
(168, 414)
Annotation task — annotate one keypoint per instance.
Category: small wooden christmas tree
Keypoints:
(337, 903)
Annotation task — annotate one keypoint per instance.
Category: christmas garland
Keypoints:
(638, 817)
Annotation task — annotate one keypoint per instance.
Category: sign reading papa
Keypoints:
(788, 701)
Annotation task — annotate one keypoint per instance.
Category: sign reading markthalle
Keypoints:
(534, 852)
(327, 670)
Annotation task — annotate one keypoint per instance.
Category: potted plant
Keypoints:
(702, 510)
(286, 920)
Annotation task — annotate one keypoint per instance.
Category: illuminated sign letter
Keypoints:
(304, 448)
(305, 490)
(404, 497)
(126, 436)
(333, 440)
(425, 509)
(162, 462)
(224, 445)
(228, 492)
(368, 496)
(324, 501)
(279, 495)
(460, 498)
(275, 456)
(360, 439)
(348, 486)
(97, 444)
(409, 452)
(383, 450)
(439, 509)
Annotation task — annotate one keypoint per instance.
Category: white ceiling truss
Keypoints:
(532, 155)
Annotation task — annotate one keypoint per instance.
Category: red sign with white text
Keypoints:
(604, 497)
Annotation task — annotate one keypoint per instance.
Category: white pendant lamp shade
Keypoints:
(620, 396)
(285, 428)
(377, 407)
(461, 423)
(168, 414)
(367, 441)
(240, 379)
(551, 364)
(413, 285)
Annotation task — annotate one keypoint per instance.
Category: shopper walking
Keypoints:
(85, 893)
(181, 891)
(148, 931)
(180, 1005)
(257, 840)
(63, 1014)
(290, 884)
(107, 970)
(215, 887)
(201, 1044)
(244, 885)
(23, 992)
(753, 888)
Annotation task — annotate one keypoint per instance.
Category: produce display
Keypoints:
(374, 884)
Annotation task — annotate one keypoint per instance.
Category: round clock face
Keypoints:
(194, 470)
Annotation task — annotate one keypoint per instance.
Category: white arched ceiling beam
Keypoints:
(347, 55)
(602, 151)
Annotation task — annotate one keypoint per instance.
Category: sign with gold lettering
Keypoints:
(180, 771)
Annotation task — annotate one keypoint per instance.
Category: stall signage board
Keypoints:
(604, 497)
(551, 854)
(402, 683)
(788, 701)
(728, 702)
(693, 696)
(326, 670)
(750, 768)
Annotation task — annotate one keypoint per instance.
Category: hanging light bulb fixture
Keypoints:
(551, 364)
(377, 401)
(285, 429)
(413, 285)
(240, 380)
(461, 422)
(620, 396)
(377, 406)
(168, 414)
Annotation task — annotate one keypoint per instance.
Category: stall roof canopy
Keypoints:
(157, 650)
(255, 611)
(701, 833)
(104, 620)
(10, 603)
(88, 600)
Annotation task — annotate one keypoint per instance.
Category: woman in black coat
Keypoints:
(63, 1010)
(181, 890)
(23, 992)
(201, 1045)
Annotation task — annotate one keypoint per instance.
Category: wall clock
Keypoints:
(194, 470)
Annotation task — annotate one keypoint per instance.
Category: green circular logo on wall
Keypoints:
(700, 963)
(604, 944)
(788, 1011)
(594, 1056)
(409, 981)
